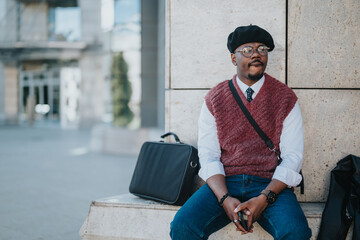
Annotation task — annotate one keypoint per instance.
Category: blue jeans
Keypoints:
(202, 215)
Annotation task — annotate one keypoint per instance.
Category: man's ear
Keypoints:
(233, 59)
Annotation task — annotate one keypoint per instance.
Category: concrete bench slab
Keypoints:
(127, 217)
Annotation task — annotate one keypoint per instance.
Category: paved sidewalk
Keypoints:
(48, 179)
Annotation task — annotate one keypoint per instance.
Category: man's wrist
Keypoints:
(263, 198)
(224, 197)
(269, 195)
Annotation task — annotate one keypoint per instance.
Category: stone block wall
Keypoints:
(91, 31)
(91, 107)
(8, 15)
(91, 64)
(2, 93)
(11, 93)
(34, 22)
(316, 54)
(323, 44)
(8, 93)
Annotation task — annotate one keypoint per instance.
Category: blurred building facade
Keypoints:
(55, 60)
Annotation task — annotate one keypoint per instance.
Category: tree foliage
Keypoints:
(121, 91)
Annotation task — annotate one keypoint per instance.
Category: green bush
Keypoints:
(121, 91)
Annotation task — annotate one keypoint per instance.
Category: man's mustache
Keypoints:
(261, 63)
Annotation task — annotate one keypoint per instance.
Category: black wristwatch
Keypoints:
(270, 196)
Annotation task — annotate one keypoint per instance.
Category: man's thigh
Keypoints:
(201, 215)
(285, 219)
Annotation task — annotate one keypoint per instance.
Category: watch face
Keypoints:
(271, 197)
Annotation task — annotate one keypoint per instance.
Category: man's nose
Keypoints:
(255, 54)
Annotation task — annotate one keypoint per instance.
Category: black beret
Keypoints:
(247, 34)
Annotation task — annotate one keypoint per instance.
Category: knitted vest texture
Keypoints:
(242, 149)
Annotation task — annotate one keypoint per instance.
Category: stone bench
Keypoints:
(128, 217)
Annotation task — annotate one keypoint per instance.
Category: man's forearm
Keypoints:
(276, 186)
(218, 185)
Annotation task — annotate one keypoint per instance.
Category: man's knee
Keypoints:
(176, 227)
(180, 228)
(296, 232)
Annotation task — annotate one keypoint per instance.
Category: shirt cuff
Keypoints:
(211, 169)
(287, 176)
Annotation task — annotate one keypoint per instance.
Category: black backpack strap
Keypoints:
(259, 131)
(253, 123)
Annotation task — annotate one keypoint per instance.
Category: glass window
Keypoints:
(127, 11)
(127, 27)
(64, 24)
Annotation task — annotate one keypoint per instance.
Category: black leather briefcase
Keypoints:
(165, 171)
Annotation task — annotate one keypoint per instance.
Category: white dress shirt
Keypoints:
(291, 143)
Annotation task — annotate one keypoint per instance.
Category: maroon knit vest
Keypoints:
(242, 149)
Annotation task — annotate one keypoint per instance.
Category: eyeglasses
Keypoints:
(249, 51)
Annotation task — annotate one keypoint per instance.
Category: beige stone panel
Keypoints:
(2, 92)
(11, 92)
(110, 222)
(167, 110)
(199, 57)
(323, 43)
(167, 44)
(183, 113)
(331, 127)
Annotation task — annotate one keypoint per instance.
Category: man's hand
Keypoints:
(254, 207)
(218, 186)
(229, 206)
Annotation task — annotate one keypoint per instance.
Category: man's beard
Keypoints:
(255, 77)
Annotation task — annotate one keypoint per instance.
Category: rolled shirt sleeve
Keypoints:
(208, 145)
(291, 147)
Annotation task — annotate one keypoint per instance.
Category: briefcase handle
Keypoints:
(171, 133)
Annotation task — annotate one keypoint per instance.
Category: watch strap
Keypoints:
(270, 196)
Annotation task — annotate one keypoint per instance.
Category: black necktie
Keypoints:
(249, 92)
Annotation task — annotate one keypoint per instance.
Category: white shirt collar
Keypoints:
(256, 86)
